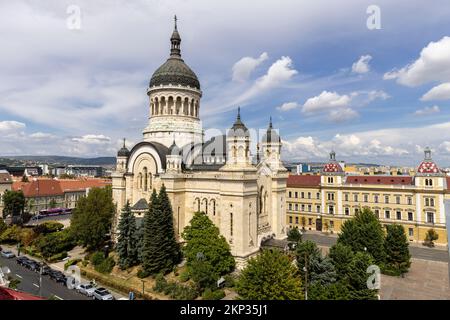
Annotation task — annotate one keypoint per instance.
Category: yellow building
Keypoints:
(323, 202)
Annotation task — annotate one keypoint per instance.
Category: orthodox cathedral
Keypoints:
(243, 196)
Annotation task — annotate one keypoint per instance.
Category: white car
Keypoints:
(102, 294)
(86, 289)
(8, 254)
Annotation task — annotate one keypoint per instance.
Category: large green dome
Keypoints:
(174, 71)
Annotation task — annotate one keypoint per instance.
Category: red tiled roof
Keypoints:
(5, 178)
(49, 187)
(332, 167)
(303, 181)
(395, 180)
(428, 167)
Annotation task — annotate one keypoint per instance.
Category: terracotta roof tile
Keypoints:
(49, 187)
(303, 181)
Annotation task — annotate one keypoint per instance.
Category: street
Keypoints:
(29, 282)
(416, 252)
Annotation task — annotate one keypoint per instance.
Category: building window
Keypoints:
(387, 214)
(430, 217)
(309, 208)
(310, 221)
(409, 200)
(318, 195)
(318, 209)
(290, 206)
(296, 220)
(346, 197)
(290, 219)
(356, 210)
(303, 207)
(399, 215)
(355, 197)
(375, 199)
(431, 202)
(377, 213)
(411, 232)
(347, 211)
(290, 194)
(366, 198)
(231, 224)
(386, 199)
(309, 195)
(296, 194)
(330, 179)
(303, 195)
(429, 182)
(410, 216)
(296, 207)
(331, 209)
(397, 199)
(330, 196)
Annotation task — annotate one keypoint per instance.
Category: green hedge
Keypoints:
(208, 294)
(71, 263)
(57, 257)
(174, 290)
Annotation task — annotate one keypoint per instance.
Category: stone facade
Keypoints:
(245, 200)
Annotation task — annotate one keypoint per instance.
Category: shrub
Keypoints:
(208, 294)
(105, 266)
(174, 290)
(53, 243)
(141, 274)
(97, 258)
(71, 263)
(48, 227)
(57, 257)
(160, 283)
(184, 276)
(10, 235)
(430, 237)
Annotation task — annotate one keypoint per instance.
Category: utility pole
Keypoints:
(306, 276)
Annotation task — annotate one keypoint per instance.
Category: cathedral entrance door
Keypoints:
(319, 224)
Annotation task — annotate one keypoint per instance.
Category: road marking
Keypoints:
(58, 297)
(18, 276)
(34, 284)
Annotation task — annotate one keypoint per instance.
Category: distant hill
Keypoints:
(63, 160)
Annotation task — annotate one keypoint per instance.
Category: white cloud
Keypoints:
(41, 136)
(244, 67)
(280, 72)
(362, 65)
(93, 139)
(326, 100)
(427, 111)
(440, 92)
(288, 106)
(377, 94)
(11, 126)
(343, 115)
(432, 65)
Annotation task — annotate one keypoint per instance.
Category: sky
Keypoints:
(371, 83)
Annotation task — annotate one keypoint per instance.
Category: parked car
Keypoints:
(32, 265)
(86, 289)
(102, 294)
(45, 269)
(57, 276)
(22, 260)
(7, 254)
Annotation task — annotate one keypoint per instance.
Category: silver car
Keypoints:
(8, 254)
(102, 294)
(86, 289)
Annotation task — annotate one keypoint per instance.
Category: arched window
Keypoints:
(145, 179)
(197, 205)
(213, 206)
(140, 181)
(205, 205)
(150, 180)
(231, 224)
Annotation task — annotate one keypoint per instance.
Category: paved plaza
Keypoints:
(426, 280)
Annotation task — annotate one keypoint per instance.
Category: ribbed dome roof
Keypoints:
(271, 134)
(123, 152)
(238, 129)
(175, 71)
